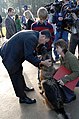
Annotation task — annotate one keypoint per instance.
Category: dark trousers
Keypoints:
(74, 41)
(18, 82)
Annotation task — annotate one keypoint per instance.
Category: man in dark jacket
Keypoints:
(19, 48)
(10, 24)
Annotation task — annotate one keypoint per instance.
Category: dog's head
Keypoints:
(42, 50)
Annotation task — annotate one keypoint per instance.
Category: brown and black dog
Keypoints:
(45, 72)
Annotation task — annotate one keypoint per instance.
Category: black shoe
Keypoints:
(28, 89)
(56, 60)
(27, 100)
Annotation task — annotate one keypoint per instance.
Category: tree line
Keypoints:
(19, 4)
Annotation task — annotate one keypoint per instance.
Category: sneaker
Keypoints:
(57, 60)
(29, 89)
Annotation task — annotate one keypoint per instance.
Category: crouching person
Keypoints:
(54, 92)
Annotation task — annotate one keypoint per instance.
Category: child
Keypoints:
(42, 24)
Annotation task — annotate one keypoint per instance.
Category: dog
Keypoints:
(45, 72)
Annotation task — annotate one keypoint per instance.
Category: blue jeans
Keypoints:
(59, 35)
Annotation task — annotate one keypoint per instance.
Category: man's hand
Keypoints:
(60, 18)
(60, 82)
(47, 62)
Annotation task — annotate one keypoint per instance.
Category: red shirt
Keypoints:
(37, 26)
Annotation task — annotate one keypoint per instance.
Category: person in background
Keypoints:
(10, 24)
(1, 27)
(74, 39)
(18, 23)
(23, 18)
(14, 52)
(42, 24)
(58, 19)
(30, 19)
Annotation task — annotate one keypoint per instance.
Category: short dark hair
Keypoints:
(46, 33)
(63, 44)
(16, 16)
(10, 9)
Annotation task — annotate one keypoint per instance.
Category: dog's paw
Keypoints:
(41, 92)
(39, 85)
(66, 116)
(60, 116)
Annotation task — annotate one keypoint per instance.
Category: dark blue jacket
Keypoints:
(56, 21)
(19, 48)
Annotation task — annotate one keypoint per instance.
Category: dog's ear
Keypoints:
(40, 46)
(39, 49)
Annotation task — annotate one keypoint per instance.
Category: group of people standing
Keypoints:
(16, 23)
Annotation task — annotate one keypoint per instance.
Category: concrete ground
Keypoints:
(9, 104)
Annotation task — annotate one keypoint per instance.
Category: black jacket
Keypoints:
(19, 48)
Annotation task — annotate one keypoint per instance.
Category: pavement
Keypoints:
(9, 103)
